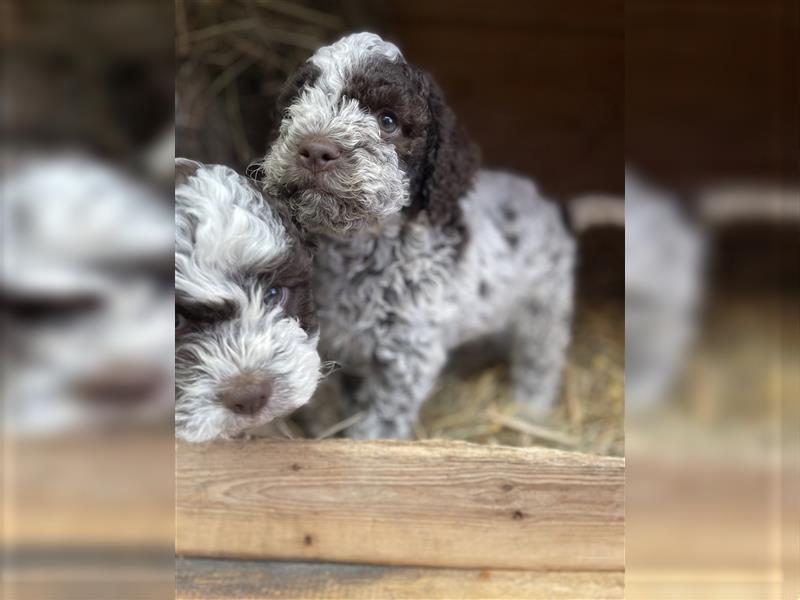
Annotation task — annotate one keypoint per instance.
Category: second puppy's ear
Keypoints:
(450, 162)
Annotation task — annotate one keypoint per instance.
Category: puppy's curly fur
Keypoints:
(243, 304)
(419, 251)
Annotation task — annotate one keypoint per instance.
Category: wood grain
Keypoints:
(207, 578)
(435, 504)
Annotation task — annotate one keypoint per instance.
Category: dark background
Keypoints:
(540, 85)
(711, 90)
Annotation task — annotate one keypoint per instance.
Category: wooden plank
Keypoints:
(100, 582)
(435, 504)
(207, 578)
(708, 584)
(93, 491)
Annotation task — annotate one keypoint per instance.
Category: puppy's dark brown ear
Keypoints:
(450, 162)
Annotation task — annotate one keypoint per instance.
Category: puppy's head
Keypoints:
(86, 293)
(245, 326)
(365, 135)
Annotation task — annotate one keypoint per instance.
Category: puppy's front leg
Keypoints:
(394, 389)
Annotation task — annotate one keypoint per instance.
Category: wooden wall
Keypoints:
(539, 84)
(711, 89)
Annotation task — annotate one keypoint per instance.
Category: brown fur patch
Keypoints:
(437, 154)
(450, 164)
(204, 312)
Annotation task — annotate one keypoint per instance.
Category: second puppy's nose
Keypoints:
(247, 397)
(318, 153)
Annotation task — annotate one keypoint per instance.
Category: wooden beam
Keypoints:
(99, 490)
(200, 579)
(433, 504)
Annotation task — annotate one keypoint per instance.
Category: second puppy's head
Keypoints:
(365, 135)
(245, 325)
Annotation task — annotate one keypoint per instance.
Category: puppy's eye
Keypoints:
(388, 122)
(276, 295)
(181, 323)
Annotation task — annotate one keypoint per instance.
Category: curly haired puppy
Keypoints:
(419, 250)
(245, 328)
(86, 293)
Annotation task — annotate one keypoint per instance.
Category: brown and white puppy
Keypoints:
(86, 297)
(419, 250)
(245, 325)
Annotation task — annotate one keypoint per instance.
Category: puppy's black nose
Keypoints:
(318, 154)
(247, 396)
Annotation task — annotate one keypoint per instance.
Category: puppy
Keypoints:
(86, 295)
(245, 327)
(419, 251)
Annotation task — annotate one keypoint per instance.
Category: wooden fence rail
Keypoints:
(430, 504)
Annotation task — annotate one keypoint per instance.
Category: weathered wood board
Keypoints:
(93, 491)
(431, 504)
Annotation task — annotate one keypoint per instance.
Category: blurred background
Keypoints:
(539, 85)
(86, 298)
(712, 298)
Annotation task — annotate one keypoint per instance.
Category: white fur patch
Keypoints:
(223, 227)
(341, 59)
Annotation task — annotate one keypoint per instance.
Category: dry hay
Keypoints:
(233, 58)
(590, 417)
